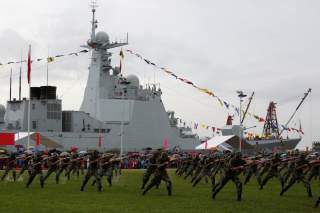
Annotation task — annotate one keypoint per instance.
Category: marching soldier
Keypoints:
(74, 165)
(64, 163)
(298, 175)
(93, 170)
(231, 172)
(106, 168)
(10, 166)
(26, 163)
(161, 174)
(151, 167)
(53, 165)
(273, 171)
(36, 169)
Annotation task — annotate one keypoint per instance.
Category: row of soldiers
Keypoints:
(289, 169)
(97, 164)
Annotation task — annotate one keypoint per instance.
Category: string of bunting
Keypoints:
(222, 102)
(49, 59)
(197, 125)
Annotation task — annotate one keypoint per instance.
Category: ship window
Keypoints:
(33, 106)
(34, 124)
(54, 111)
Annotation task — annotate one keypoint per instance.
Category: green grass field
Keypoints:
(125, 196)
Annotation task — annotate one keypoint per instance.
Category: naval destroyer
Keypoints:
(116, 112)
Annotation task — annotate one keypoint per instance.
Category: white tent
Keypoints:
(214, 142)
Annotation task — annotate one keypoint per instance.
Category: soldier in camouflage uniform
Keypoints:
(10, 166)
(26, 163)
(231, 172)
(161, 174)
(53, 162)
(151, 167)
(36, 170)
(106, 168)
(273, 171)
(74, 165)
(298, 175)
(93, 170)
(64, 164)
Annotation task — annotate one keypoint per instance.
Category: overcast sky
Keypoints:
(270, 47)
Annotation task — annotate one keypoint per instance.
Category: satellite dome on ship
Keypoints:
(134, 80)
(102, 37)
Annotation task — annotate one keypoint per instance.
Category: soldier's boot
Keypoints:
(239, 191)
(309, 189)
(282, 182)
(169, 188)
(109, 179)
(14, 174)
(41, 182)
(58, 176)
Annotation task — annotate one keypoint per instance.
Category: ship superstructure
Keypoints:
(116, 110)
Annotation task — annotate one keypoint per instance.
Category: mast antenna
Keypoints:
(94, 22)
(10, 83)
(20, 77)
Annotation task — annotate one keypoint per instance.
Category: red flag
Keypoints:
(6, 139)
(166, 143)
(37, 139)
(206, 144)
(29, 65)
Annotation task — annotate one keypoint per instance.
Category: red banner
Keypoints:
(38, 139)
(6, 139)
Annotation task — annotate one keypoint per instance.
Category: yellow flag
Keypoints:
(50, 59)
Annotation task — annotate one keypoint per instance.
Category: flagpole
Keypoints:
(48, 69)
(29, 103)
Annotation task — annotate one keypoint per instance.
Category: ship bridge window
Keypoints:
(34, 124)
(54, 111)
(99, 130)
